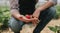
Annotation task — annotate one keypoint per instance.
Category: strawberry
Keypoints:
(28, 16)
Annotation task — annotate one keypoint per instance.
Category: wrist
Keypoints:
(38, 9)
(36, 13)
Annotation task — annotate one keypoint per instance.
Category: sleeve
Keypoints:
(14, 4)
(53, 1)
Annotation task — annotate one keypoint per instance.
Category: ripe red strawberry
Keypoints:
(28, 16)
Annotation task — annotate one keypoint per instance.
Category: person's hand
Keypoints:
(24, 19)
(35, 20)
(35, 16)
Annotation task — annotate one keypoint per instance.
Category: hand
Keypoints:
(28, 16)
(24, 19)
(36, 15)
(35, 20)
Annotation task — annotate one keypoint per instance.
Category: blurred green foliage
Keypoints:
(57, 16)
(55, 29)
(4, 16)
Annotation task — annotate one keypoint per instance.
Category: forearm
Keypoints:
(48, 4)
(43, 7)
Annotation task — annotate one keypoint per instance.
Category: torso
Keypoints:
(27, 6)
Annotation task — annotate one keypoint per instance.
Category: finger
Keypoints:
(34, 22)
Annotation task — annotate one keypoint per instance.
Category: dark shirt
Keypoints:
(25, 6)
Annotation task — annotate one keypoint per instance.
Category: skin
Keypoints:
(38, 10)
(17, 15)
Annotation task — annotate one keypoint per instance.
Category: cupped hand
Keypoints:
(24, 19)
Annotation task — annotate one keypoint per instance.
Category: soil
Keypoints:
(30, 28)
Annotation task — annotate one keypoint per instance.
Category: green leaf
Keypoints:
(54, 29)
